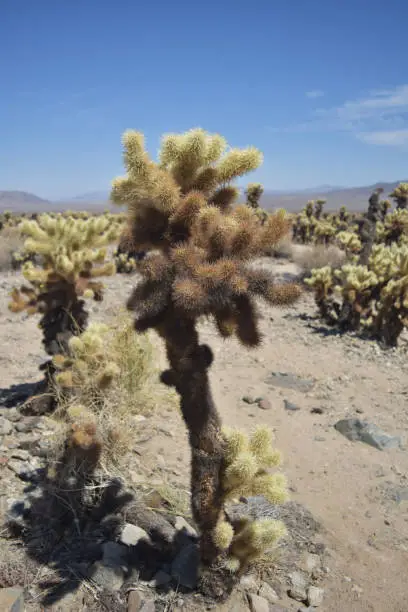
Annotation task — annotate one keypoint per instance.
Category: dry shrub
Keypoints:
(309, 257)
(135, 390)
(10, 242)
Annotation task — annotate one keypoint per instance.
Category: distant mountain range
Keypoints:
(355, 198)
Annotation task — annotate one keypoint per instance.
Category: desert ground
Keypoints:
(354, 543)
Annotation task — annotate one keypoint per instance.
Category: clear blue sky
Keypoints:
(320, 86)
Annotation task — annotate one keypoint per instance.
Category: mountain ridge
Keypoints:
(354, 198)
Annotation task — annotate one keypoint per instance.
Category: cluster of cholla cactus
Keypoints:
(372, 297)
(72, 257)
(183, 206)
(126, 256)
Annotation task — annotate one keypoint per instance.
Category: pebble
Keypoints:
(257, 603)
(315, 596)
(5, 427)
(299, 586)
(290, 405)
(268, 593)
(181, 524)
(265, 404)
(250, 583)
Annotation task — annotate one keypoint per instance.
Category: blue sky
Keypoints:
(320, 86)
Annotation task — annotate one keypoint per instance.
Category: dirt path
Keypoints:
(358, 493)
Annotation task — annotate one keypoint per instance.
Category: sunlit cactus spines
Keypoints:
(185, 207)
(72, 256)
(400, 196)
(254, 193)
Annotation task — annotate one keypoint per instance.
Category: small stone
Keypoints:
(250, 583)
(250, 399)
(12, 599)
(20, 454)
(12, 415)
(265, 404)
(268, 593)
(317, 410)
(315, 596)
(160, 579)
(110, 578)
(182, 525)
(290, 405)
(5, 427)
(131, 535)
(27, 424)
(17, 467)
(184, 568)
(299, 586)
(362, 431)
(257, 603)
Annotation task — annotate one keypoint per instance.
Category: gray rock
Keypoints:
(160, 579)
(134, 601)
(21, 454)
(265, 404)
(268, 593)
(17, 466)
(257, 603)
(27, 425)
(11, 414)
(362, 431)
(148, 606)
(182, 525)
(315, 596)
(250, 399)
(131, 535)
(110, 578)
(12, 599)
(298, 589)
(287, 380)
(312, 562)
(114, 555)
(5, 427)
(184, 568)
(250, 583)
(290, 405)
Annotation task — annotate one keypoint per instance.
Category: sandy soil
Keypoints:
(355, 491)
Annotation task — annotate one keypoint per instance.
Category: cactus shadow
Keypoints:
(65, 529)
(16, 395)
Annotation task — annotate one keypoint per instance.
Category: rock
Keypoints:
(362, 431)
(250, 399)
(21, 454)
(298, 586)
(160, 579)
(12, 599)
(317, 410)
(18, 467)
(27, 424)
(250, 583)
(110, 578)
(287, 380)
(290, 405)
(148, 606)
(11, 414)
(268, 593)
(315, 596)
(131, 535)
(265, 404)
(134, 602)
(184, 568)
(257, 603)
(182, 525)
(5, 427)
(114, 555)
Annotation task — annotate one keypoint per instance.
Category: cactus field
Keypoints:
(191, 383)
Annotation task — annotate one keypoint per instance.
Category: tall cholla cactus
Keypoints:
(183, 206)
(72, 257)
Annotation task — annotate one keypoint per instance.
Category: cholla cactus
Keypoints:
(394, 228)
(324, 231)
(87, 367)
(254, 193)
(349, 242)
(247, 461)
(72, 257)
(318, 208)
(183, 206)
(400, 195)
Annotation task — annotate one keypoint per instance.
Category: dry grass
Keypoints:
(10, 242)
(135, 390)
(309, 257)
